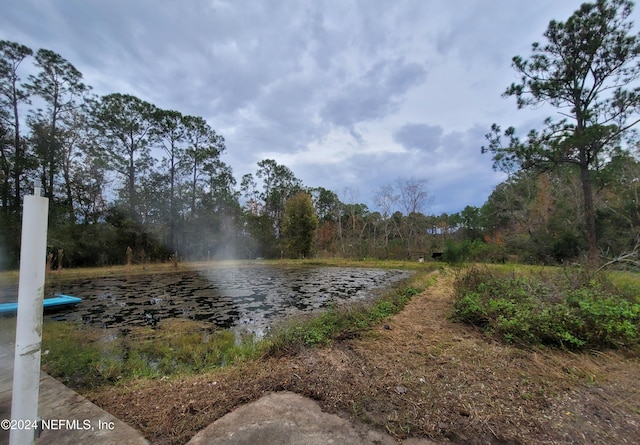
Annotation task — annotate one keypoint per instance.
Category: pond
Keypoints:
(246, 298)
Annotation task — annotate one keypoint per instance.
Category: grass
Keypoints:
(425, 376)
(363, 262)
(342, 322)
(83, 358)
(627, 282)
(457, 386)
(517, 304)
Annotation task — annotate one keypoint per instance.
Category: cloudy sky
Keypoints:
(350, 95)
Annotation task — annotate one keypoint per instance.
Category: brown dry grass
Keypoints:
(425, 376)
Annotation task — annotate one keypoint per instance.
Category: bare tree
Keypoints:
(630, 258)
(385, 199)
(413, 198)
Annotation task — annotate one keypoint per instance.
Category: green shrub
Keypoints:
(466, 250)
(569, 310)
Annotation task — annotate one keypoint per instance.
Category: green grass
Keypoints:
(344, 321)
(348, 262)
(627, 282)
(550, 307)
(83, 357)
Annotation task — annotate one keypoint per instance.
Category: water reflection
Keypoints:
(245, 298)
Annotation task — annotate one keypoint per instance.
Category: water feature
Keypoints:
(247, 298)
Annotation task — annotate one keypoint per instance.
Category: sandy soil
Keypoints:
(418, 375)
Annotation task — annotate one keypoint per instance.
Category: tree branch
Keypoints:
(632, 257)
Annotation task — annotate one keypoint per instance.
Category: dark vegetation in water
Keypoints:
(239, 296)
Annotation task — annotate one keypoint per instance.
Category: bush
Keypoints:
(571, 310)
(464, 250)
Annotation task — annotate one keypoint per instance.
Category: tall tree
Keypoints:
(5, 166)
(265, 209)
(59, 84)
(619, 214)
(89, 183)
(12, 55)
(300, 224)
(413, 197)
(278, 184)
(204, 148)
(124, 124)
(385, 199)
(76, 141)
(471, 222)
(586, 70)
(221, 182)
(170, 132)
(325, 203)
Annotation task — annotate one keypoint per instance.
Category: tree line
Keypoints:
(119, 171)
(126, 178)
(124, 175)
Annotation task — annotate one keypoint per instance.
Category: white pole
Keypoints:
(26, 365)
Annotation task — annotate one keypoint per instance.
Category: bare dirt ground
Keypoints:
(420, 375)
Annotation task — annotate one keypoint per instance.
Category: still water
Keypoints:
(243, 298)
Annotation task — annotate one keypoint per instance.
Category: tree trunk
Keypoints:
(6, 172)
(66, 170)
(52, 148)
(172, 222)
(18, 149)
(132, 183)
(589, 215)
(194, 184)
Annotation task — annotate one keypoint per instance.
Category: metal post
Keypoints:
(26, 365)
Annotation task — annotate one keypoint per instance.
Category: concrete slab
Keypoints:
(68, 417)
(286, 418)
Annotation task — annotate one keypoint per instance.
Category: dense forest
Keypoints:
(126, 178)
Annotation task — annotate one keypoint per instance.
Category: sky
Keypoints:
(350, 95)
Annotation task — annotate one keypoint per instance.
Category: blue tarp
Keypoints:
(48, 303)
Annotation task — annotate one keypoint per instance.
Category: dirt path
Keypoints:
(419, 375)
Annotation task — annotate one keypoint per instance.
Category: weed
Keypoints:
(569, 309)
(84, 358)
